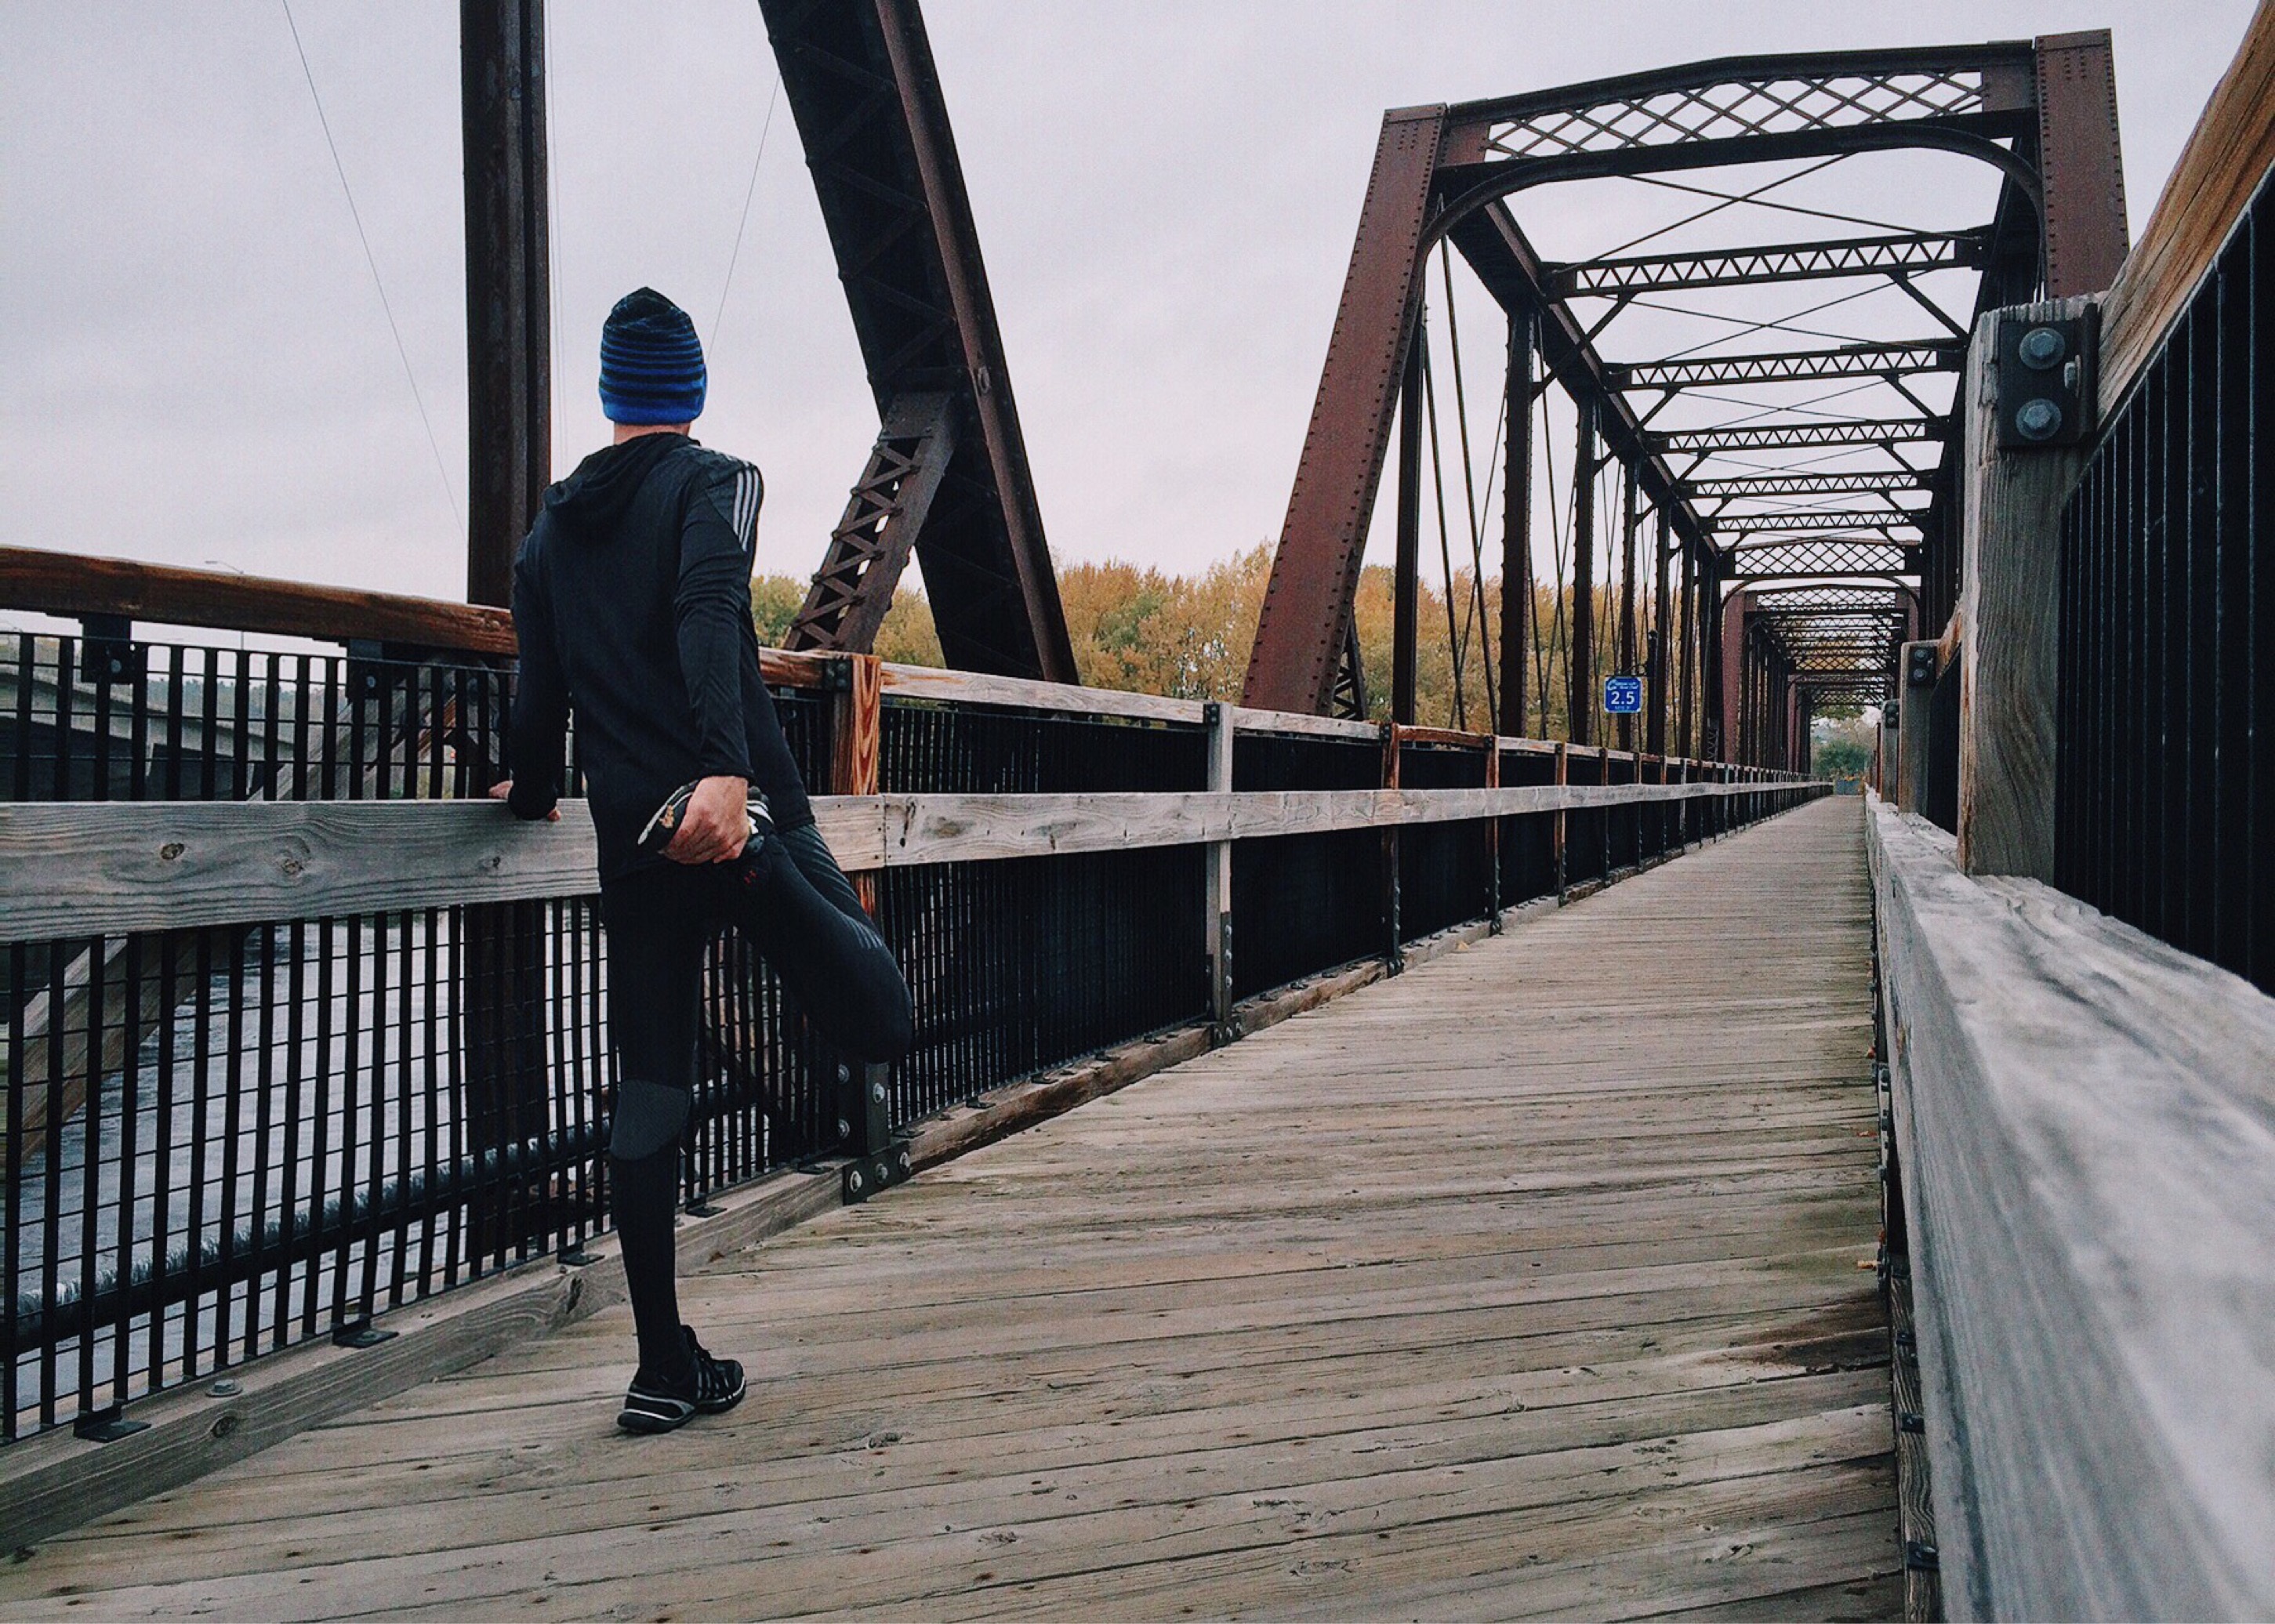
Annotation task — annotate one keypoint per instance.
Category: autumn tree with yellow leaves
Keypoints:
(1141, 631)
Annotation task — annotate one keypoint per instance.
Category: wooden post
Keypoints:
(2009, 596)
(856, 755)
(857, 742)
(1216, 906)
(1915, 727)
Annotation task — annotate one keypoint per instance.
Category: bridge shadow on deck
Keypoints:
(1525, 1283)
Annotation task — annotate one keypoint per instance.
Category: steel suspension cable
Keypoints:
(749, 192)
(1472, 611)
(1565, 519)
(371, 260)
(1444, 545)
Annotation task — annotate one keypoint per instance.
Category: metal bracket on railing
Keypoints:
(2045, 382)
(108, 652)
(869, 1175)
(864, 1128)
(360, 1333)
(106, 1425)
(375, 669)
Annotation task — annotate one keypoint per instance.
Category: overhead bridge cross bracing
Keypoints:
(1703, 435)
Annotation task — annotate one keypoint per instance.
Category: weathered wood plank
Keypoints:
(92, 868)
(70, 584)
(2009, 594)
(2228, 154)
(2088, 1151)
(1501, 1279)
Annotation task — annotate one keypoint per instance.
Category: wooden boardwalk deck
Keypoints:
(1525, 1283)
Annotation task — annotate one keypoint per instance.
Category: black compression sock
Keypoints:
(645, 1195)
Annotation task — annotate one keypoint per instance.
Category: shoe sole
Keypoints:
(649, 1424)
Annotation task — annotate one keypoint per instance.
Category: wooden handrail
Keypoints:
(2227, 155)
(70, 584)
(89, 868)
(2081, 1123)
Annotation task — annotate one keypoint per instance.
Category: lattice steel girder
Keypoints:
(1832, 600)
(1798, 524)
(1864, 256)
(1875, 601)
(1820, 556)
(872, 542)
(1794, 366)
(1805, 483)
(1794, 436)
(1803, 631)
(1989, 86)
(861, 85)
(1985, 103)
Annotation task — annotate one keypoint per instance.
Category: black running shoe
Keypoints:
(652, 1406)
(665, 824)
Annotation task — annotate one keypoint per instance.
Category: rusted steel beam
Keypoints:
(1828, 520)
(508, 312)
(1580, 671)
(1794, 436)
(1728, 96)
(1315, 572)
(1406, 587)
(872, 545)
(1910, 254)
(1870, 360)
(1629, 519)
(1807, 484)
(509, 389)
(2082, 167)
(862, 86)
(1655, 739)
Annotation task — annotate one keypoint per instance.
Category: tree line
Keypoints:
(1142, 629)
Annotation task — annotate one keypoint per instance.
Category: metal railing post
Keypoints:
(1216, 882)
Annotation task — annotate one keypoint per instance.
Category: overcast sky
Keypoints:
(198, 369)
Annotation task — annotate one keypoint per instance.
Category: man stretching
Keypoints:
(631, 599)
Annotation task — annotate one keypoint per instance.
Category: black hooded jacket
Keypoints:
(631, 599)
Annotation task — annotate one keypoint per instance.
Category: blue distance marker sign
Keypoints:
(1623, 695)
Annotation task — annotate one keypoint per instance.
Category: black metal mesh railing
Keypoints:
(1303, 903)
(224, 1140)
(1445, 870)
(2166, 762)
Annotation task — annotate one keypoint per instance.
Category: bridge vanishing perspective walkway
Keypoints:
(1535, 1280)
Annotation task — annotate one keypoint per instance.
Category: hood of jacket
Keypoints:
(590, 500)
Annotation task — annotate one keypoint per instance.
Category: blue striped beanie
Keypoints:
(651, 362)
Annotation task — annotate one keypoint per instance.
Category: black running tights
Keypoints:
(789, 899)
